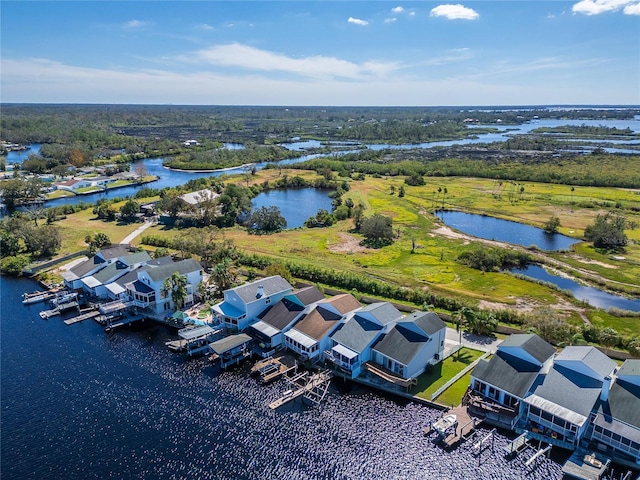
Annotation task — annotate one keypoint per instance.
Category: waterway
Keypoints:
(491, 228)
(593, 296)
(77, 403)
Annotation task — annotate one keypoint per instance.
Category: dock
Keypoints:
(517, 444)
(272, 368)
(194, 340)
(312, 387)
(63, 307)
(125, 321)
(84, 315)
(586, 465)
(465, 425)
(37, 297)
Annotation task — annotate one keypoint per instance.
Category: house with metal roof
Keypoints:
(352, 340)
(616, 424)
(499, 384)
(241, 305)
(310, 336)
(96, 285)
(147, 291)
(73, 276)
(269, 330)
(561, 401)
(411, 345)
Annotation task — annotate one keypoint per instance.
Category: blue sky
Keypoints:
(421, 53)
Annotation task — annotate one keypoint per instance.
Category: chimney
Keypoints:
(260, 293)
(606, 386)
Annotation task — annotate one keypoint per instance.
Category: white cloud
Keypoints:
(135, 25)
(390, 20)
(412, 14)
(596, 7)
(397, 9)
(204, 26)
(454, 12)
(251, 58)
(357, 21)
(633, 9)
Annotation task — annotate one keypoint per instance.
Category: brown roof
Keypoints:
(317, 323)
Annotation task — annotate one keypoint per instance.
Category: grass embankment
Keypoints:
(444, 371)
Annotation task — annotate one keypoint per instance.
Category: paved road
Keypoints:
(486, 344)
(129, 238)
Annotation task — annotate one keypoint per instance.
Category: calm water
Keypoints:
(80, 404)
(492, 228)
(595, 297)
(296, 205)
(18, 156)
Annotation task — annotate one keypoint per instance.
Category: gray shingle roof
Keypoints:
(590, 356)
(624, 402)
(532, 344)
(114, 270)
(507, 373)
(308, 295)
(384, 312)
(270, 286)
(571, 390)
(429, 322)
(357, 333)
(135, 257)
(401, 344)
(281, 314)
(162, 272)
(114, 251)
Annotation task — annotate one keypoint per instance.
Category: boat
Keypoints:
(444, 424)
(36, 297)
(63, 297)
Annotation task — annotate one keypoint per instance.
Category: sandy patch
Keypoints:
(348, 244)
(593, 262)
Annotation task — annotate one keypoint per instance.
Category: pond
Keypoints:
(296, 205)
(595, 297)
(492, 228)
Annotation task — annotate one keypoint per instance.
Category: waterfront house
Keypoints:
(498, 385)
(72, 277)
(73, 184)
(413, 343)
(561, 401)
(269, 330)
(616, 424)
(309, 337)
(117, 290)
(352, 340)
(241, 305)
(147, 291)
(96, 285)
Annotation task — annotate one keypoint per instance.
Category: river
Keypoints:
(80, 404)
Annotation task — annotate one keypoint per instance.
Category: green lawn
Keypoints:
(431, 381)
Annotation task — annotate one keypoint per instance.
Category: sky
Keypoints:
(328, 53)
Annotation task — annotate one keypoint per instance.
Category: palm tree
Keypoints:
(176, 286)
(608, 338)
(464, 316)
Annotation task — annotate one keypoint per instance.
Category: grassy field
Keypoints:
(444, 371)
(433, 264)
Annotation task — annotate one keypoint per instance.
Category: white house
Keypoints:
(96, 285)
(561, 401)
(147, 292)
(411, 345)
(498, 385)
(351, 342)
(269, 330)
(309, 337)
(242, 305)
(73, 276)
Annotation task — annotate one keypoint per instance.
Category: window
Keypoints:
(267, 301)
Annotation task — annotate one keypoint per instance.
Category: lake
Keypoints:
(296, 204)
(78, 403)
(491, 228)
(593, 296)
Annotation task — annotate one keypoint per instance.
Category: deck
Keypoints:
(312, 387)
(272, 368)
(46, 314)
(84, 315)
(466, 424)
(586, 465)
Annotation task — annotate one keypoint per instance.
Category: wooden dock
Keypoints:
(312, 387)
(46, 314)
(84, 315)
(272, 368)
(464, 427)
